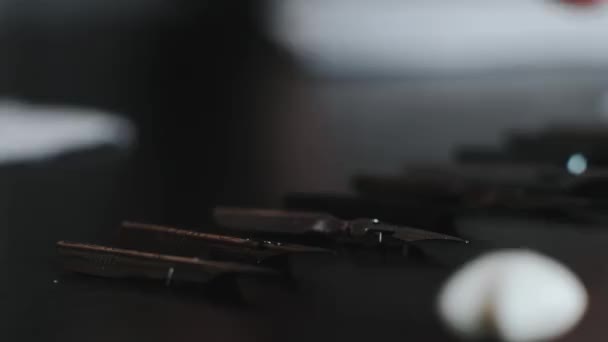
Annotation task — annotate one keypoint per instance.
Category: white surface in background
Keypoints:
(514, 295)
(31, 132)
(426, 36)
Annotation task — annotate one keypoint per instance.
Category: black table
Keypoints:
(357, 298)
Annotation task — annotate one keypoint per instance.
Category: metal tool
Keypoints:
(112, 262)
(531, 178)
(413, 213)
(294, 223)
(460, 197)
(552, 145)
(212, 246)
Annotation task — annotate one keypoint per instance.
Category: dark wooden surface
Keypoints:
(362, 297)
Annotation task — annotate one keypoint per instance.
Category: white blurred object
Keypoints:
(515, 295)
(577, 164)
(435, 36)
(32, 132)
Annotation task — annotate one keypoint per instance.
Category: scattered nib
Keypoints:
(112, 262)
(589, 185)
(491, 174)
(512, 295)
(297, 223)
(413, 213)
(213, 246)
(459, 198)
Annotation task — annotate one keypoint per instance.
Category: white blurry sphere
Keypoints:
(515, 295)
(30, 132)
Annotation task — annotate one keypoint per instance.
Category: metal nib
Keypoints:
(294, 223)
(127, 263)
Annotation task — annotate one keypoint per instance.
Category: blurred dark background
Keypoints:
(241, 102)
(234, 106)
(190, 75)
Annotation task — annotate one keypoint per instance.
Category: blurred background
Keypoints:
(156, 111)
(240, 102)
